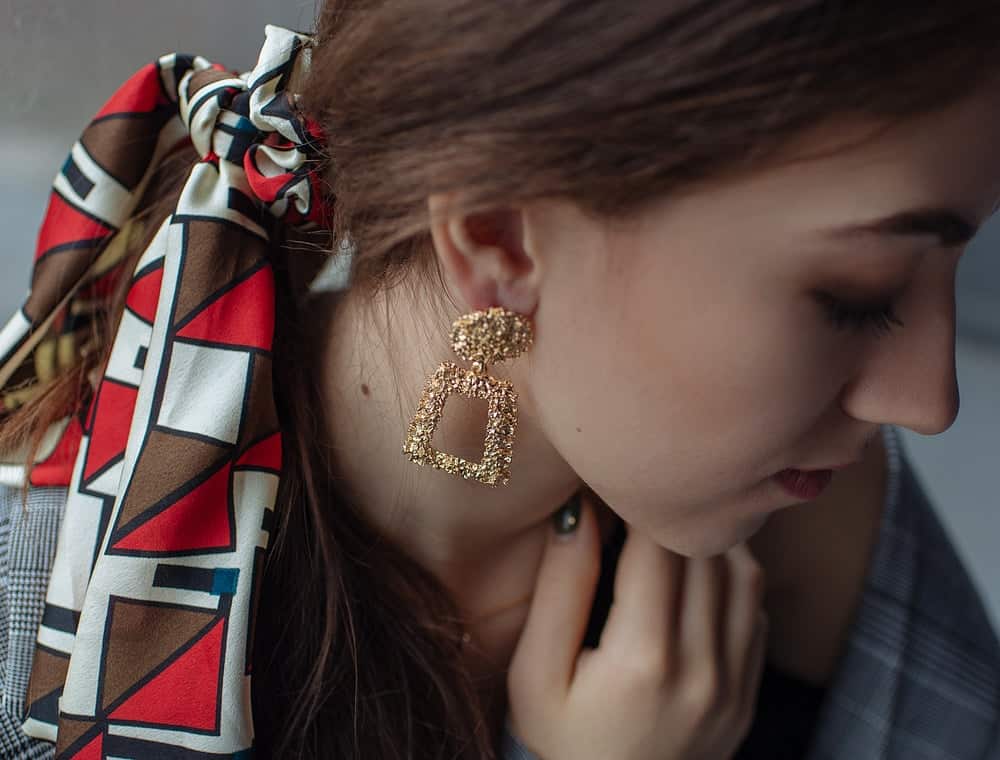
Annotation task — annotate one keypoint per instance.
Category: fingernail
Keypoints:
(567, 517)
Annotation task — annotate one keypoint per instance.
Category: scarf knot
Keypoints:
(251, 122)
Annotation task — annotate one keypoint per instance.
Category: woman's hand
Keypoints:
(678, 667)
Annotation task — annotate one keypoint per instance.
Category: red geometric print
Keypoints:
(264, 455)
(144, 293)
(112, 418)
(271, 188)
(227, 320)
(64, 225)
(92, 751)
(140, 93)
(199, 520)
(57, 468)
(195, 675)
(264, 187)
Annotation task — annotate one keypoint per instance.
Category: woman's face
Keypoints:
(682, 360)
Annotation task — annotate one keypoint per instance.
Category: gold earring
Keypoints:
(483, 338)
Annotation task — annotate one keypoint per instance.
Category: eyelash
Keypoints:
(881, 318)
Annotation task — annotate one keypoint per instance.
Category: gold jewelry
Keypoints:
(483, 338)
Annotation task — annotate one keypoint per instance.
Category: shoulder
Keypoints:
(920, 676)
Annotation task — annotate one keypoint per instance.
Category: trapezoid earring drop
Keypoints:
(483, 338)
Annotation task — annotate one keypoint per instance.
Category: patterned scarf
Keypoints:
(144, 646)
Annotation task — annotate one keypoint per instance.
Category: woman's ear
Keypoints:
(484, 255)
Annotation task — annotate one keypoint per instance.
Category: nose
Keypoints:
(908, 378)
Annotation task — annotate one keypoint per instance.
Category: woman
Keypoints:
(690, 216)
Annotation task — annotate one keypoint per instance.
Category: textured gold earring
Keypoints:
(483, 338)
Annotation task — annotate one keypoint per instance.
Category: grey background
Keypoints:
(59, 61)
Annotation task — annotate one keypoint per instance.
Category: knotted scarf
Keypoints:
(172, 467)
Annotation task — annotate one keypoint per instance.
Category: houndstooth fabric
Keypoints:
(28, 533)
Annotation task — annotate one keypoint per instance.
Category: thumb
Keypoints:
(545, 657)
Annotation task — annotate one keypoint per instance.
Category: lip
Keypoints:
(804, 485)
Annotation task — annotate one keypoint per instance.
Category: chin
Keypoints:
(715, 541)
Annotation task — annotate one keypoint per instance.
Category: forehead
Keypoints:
(851, 168)
(945, 155)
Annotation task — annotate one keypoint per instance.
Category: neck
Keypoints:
(816, 558)
(482, 543)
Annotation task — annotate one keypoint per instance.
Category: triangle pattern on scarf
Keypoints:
(198, 520)
(65, 226)
(195, 674)
(48, 673)
(140, 93)
(92, 751)
(144, 295)
(132, 656)
(76, 733)
(263, 455)
(165, 461)
(225, 319)
(113, 415)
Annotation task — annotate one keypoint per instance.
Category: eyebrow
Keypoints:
(951, 227)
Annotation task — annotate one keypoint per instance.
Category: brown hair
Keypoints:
(606, 104)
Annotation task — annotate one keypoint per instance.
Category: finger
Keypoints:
(702, 618)
(546, 653)
(754, 665)
(643, 618)
(746, 593)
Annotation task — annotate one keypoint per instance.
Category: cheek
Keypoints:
(669, 400)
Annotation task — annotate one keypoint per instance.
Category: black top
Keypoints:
(787, 712)
(787, 707)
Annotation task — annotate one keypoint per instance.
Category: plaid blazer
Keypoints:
(919, 678)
